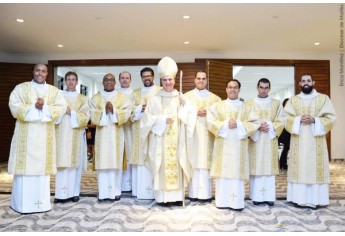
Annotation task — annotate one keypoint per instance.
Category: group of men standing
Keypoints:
(155, 141)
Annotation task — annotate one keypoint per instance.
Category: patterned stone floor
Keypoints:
(132, 215)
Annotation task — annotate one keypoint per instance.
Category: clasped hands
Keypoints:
(109, 108)
(202, 112)
(39, 103)
(264, 127)
(307, 119)
(232, 124)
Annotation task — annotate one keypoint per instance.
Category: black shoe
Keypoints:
(238, 209)
(257, 203)
(101, 200)
(296, 205)
(178, 203)
(222, 208)
(270, 203)
(193, 199)
(117, 198)
(206, 200)
(57, 200)
(75, 199)
(163, 204)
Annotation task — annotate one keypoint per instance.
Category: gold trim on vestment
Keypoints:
(21, 147)
(49, 148)
(170, 155)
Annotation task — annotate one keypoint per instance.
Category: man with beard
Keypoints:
(141, 176)
(310, 116)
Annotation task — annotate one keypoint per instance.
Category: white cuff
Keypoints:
(33, 114)
(73, 119)
(271, 132)
(296, 126)
(224, 130)
(137, 114)
(318, 128)
(46, 115)
(160, 125)
(241, 131)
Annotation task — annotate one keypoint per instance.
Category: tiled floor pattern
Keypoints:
(130, 214)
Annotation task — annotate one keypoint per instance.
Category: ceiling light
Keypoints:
(186, 42)
(317, 44)
(186, 17)
(20, 20)
(60, 45)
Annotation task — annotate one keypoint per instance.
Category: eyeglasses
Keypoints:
(146, 76)
(108, 79)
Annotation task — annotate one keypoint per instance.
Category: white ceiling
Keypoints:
(222, 27)
(157, 29)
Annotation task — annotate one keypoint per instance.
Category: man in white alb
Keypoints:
(263, 146)
(71, 142)
(109, 111)
(125, 80)
(232, 122)
(309, 117)
(36, 105)
(142, 184)
(200, 145)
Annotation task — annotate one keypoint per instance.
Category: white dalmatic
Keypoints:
(33, 147)
(109, 140)
(263, 150)
(142, 181)
(200, 146)
(126, 184)
(71, 146)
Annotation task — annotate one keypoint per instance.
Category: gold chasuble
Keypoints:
(70, 140)
(308, 155)
(230, 152)
(263, 152)
(165, 155)
(109, 140)
(33, 147)
(137, 144)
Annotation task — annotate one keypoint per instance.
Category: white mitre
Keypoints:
(167, 67)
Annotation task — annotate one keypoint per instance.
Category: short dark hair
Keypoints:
(238, 82)
(147, 69)
(200, 71)
(71, 73)
(309, 75)
(265, 81)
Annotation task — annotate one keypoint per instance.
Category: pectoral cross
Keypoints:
(233, 195)
(64, 189)
(148, 189)
(263, 191)
(38, 203)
